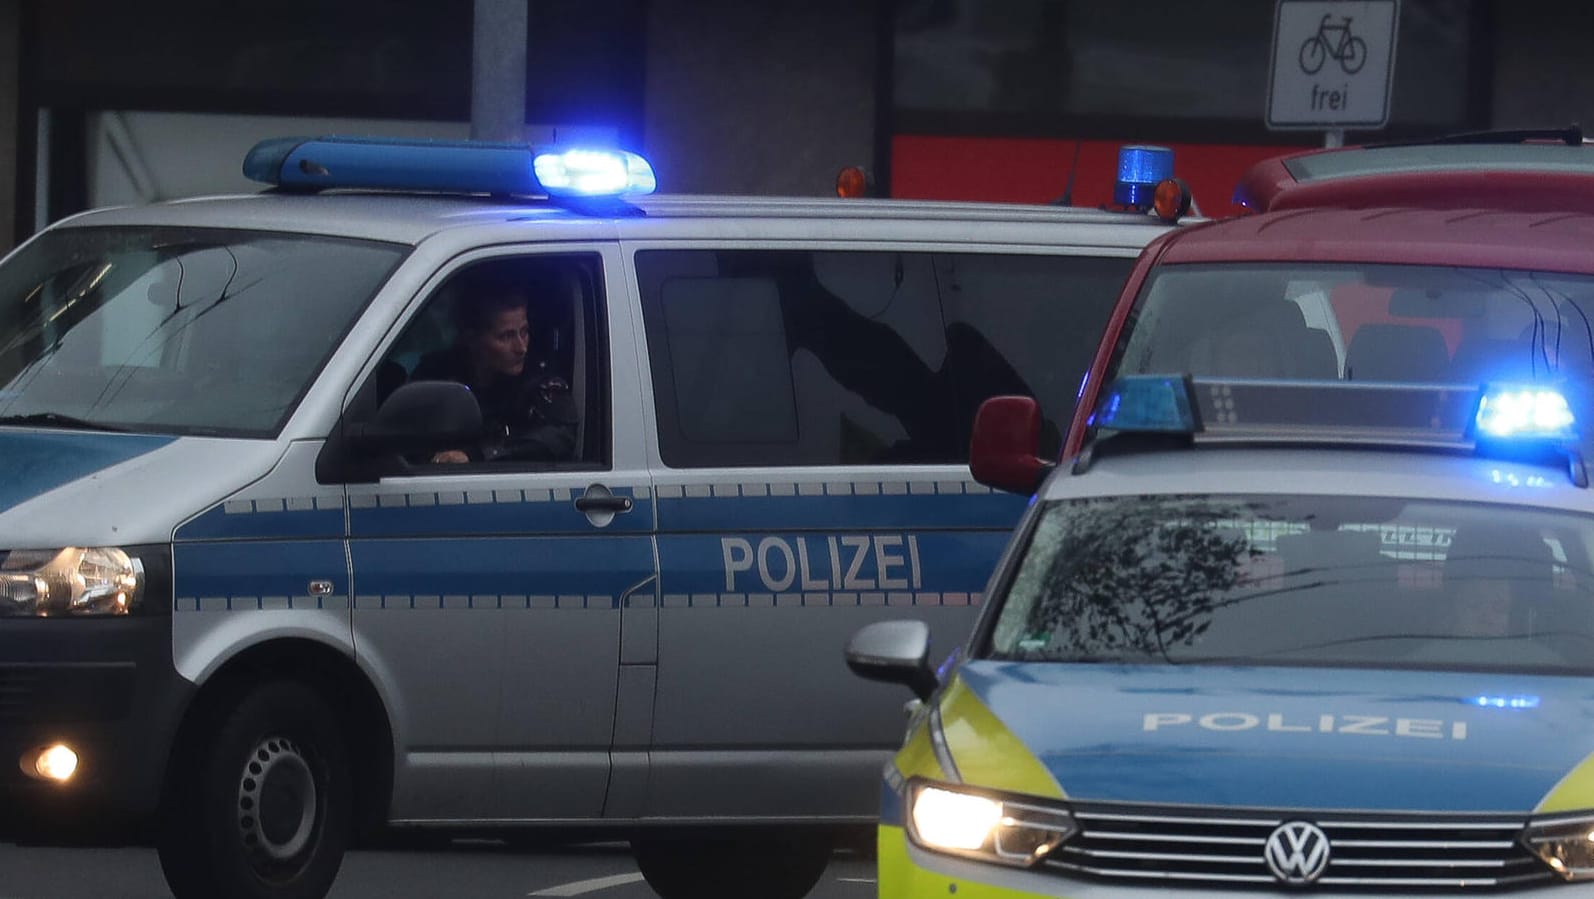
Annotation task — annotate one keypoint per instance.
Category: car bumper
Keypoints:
(106, 688)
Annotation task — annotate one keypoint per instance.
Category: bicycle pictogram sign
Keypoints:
(1333, 42)
(1332, 64)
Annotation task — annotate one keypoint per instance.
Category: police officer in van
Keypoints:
(528, 413)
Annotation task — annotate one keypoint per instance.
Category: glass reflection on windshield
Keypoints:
(177, 331)
(1302, 580)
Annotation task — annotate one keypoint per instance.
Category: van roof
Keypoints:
(411, 218)
(1456, 237)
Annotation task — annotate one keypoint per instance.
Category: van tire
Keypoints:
(262, 807)
(772, 864)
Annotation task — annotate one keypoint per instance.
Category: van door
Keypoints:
(814, 407)
(489, 578)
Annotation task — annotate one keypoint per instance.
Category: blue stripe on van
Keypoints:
(252, 570)
(36, 462)
(838, 563)
(997, 511)
(491, 512)
(583, 566)
(260, 520)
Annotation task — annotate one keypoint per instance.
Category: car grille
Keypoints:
(1375, 851)
(16, 687)
(57, 694)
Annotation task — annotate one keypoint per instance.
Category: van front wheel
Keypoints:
(771, 864)
(262, 807)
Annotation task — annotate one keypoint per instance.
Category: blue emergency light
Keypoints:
(1155, 404)
(476, 167)
(593, 173)
(1524, 412)
(1506, 702)
(1140, 170)
(1500, 420)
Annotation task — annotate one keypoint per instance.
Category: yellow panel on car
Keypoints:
(986, 752)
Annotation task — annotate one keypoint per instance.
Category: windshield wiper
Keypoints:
(58, 420)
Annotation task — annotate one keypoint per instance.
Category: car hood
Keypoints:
(1285, 737)
(74, 488)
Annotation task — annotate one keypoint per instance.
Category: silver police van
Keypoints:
(307, 531)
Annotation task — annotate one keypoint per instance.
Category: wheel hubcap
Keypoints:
(277, 801)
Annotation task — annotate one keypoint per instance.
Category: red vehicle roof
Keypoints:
(1489, 238)
(1527, 177)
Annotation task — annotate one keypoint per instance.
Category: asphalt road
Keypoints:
(466, 871)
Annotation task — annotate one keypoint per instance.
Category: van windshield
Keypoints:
(1412, 324)
(1302, 580)
(182, 331)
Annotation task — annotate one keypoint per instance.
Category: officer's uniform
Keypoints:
(531, 416)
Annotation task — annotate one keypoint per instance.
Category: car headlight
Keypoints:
(72, 581)
(986, 826)
(1566, 845)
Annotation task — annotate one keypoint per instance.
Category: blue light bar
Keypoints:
(594, 173)
(1524, 412)
(323, 163)
(1147, 403)
(1140, 169)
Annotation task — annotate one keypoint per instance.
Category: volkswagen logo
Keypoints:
(1297, 852)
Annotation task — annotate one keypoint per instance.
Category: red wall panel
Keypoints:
(1033, 170)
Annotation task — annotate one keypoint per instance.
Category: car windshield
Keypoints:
(1389, 323)
(1303, 580)
(182, 331)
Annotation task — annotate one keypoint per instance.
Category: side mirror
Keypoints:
(1007, 439)
(896, 652)
(421, 416)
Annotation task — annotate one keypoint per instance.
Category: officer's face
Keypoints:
(500, 349)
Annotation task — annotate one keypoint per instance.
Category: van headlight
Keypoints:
(1566, 845)
(75, 581)
(985, 826)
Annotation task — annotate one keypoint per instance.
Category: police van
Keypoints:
(245, 611)
(1267, 635)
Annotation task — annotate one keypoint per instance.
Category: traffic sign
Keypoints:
(1333, 64)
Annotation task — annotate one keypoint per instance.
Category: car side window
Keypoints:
(525, 335)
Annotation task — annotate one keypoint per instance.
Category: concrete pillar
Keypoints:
(498, 71)
(10, 123)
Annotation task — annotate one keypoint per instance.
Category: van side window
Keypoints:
(1024, 325)
(524, 335)
(776, 357)
(799, 357)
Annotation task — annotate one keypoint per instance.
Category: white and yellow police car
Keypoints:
(1329, 637)
(248, 606)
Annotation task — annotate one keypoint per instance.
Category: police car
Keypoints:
(1321, 636)
(247, 609)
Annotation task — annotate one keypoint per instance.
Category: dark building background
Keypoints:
(956, 99)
